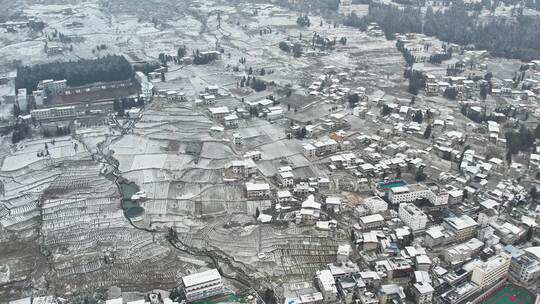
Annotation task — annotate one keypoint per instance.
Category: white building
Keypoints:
(147, 88)
(412, 216)
(461, 227)
(53, 113)
(22, 99)
(39, 97)
(257, 191)
(423, 293)
(375, 204)
(411, 193)
(202, 285)
(218, 113)
(52, 87)
(327, 285)
(309, 151)
(526, 266)
(491, 271)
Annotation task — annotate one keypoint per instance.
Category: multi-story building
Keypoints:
(53, 87)
(423, 293)
(309, 151)
(411, 193)
(412, 216)
(218, 113)
(327, 146)
(231, 121)
(39, 97)
(147, 88)
(327, 285)
(202, 285)
(525, 266)
(371, 221)
(53, 113)
(257, 191)
(461, 227)
(375, 204)
(286, 178)
(464, 251)
(22, 99)
(491, 271)
(508, 232)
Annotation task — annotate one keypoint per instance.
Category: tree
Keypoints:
(418, 117)
(269, 296)
(303, 21)
(521, 140)
(534, 194)
(420, 176)
(77, 73)
(509, 157)
(353, 99)
(451, 93)
(181, 53)
(16, 110)
(484, 90)
(427, 133)
(537, 131)
(386, 110)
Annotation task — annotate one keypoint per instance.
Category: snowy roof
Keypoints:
(333, 200)
(257, 187)
(219, 110)
(372, 218)
(22, 301)
(199, 278)
(534, 250)
(424, 287)
(310, 203)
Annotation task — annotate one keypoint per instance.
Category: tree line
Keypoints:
(513, 37)
(77, 73)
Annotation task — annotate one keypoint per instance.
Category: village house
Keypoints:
(258, 191)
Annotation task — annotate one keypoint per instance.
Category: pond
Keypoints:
(127, 189)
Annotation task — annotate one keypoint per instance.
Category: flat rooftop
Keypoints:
(201, 277)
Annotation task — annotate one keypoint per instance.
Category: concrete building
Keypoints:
(257, 191)
(491, 271)
(414, 192)
(286, 178)
(203, 285)
(327, 146)
(412, 216)
(525, 265)
(375, 204)
(218, 113)
(53, 113)
(327, 285)
(462, 252)
(309, 151)
(461, 227)
(231, 121)
(53, 87)
(371, 221)
(423, 293)
(147, 88)
(39, 97)
(22, 99)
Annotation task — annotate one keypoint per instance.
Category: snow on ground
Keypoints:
(26, 152)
